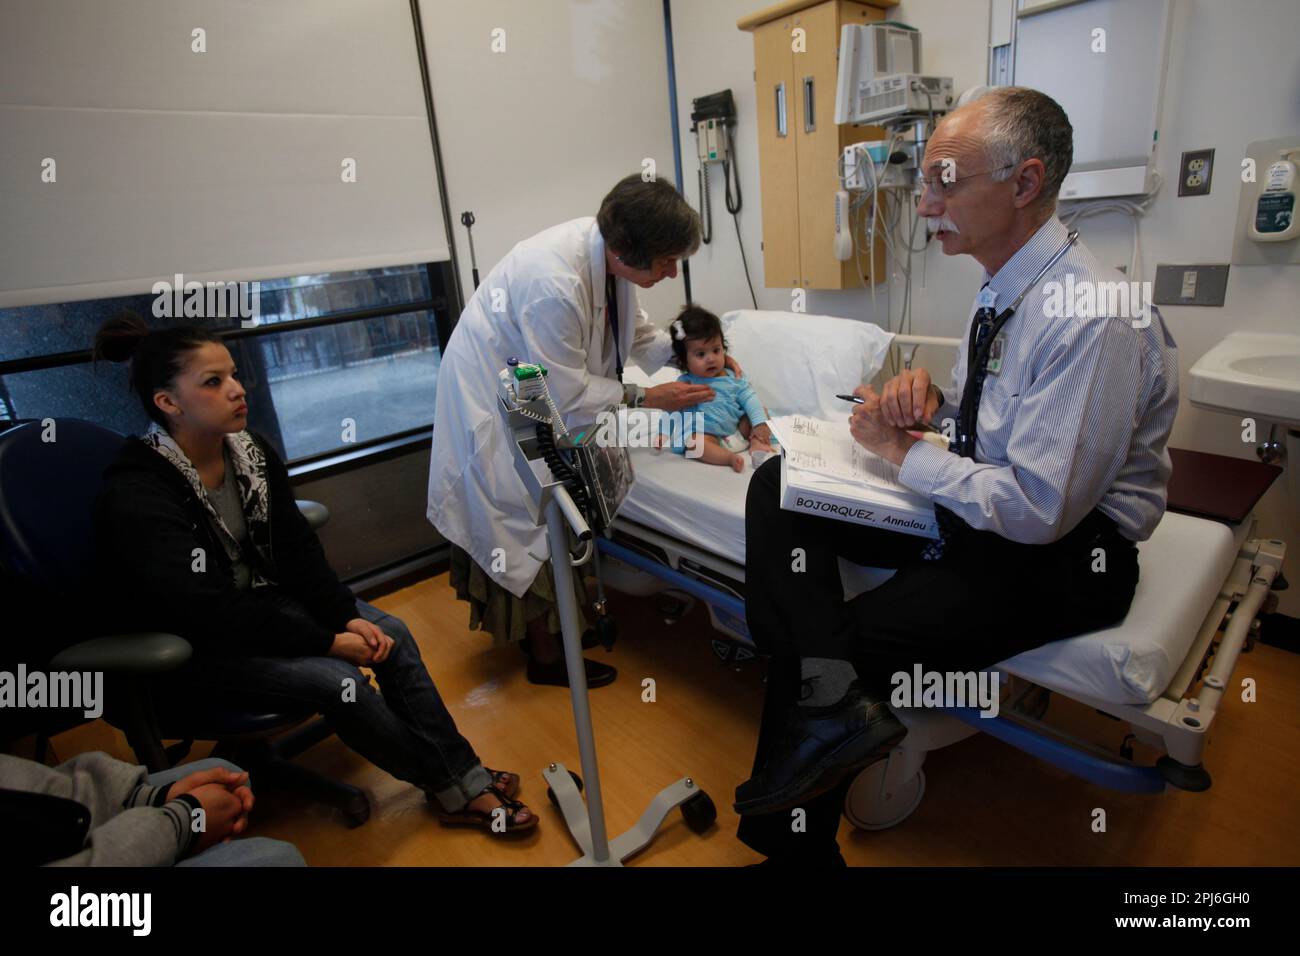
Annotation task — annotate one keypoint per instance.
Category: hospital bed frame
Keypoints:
(887, 792)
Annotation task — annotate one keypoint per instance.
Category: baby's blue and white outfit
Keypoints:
(732, 398)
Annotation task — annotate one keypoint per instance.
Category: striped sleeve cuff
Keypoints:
(924, 466)
(181, 812)
(144, 795)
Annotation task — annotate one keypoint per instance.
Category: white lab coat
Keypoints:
(550, 291)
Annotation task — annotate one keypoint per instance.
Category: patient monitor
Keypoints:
(597, 475)
(571, 483)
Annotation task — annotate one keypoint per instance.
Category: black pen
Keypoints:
(917, 427)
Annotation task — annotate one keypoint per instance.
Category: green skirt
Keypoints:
(495, 609)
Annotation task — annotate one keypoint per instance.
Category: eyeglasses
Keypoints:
(944, 187)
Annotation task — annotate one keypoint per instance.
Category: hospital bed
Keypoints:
(1163, 671)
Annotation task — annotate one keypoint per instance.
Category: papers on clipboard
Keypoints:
(825, 472)
(827, 448)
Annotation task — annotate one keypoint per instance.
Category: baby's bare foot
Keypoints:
(737, 463)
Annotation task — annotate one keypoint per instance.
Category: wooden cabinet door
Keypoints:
(775, 95)
(819, 141)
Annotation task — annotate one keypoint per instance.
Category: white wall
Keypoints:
(1233, 75)
(537, 134)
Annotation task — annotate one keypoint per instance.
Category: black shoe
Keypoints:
(557, 675)
(818, 748)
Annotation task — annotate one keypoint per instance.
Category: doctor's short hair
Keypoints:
(1020, 124)
(693, 324)
(644, 221)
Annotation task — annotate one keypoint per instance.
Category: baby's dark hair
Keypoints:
(156, 355)
(694, 323)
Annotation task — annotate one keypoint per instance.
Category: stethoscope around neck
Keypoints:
(978, 358)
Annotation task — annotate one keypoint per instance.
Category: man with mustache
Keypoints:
(1060, 427)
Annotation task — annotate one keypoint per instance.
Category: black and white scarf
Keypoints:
(249, 463)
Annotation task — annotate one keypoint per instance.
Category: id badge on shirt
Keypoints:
(995, 355)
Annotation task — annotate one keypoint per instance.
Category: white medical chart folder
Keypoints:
(825, 472)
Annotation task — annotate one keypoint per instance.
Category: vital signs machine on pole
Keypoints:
(573, 482)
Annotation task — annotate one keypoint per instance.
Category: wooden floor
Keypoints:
(985, 803)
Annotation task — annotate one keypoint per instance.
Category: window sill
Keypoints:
(322, 466)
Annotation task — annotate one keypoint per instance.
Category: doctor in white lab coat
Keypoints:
(546, 302)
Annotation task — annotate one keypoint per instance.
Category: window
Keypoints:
(340, 360)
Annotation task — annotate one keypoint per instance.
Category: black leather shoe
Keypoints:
(556, 674)
(818, 748)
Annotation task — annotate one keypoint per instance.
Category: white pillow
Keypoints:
(798, 363)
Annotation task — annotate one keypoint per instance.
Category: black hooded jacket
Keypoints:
(149, 523)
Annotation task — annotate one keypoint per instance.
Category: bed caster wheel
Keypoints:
(868, 807)
(1180, 775)
(699, 812)
(673, 606)
(550, 794)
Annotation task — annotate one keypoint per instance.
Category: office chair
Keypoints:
(47, 493)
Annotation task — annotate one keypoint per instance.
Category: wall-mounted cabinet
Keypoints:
(796, 60)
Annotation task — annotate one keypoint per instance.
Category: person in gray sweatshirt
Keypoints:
(94, 810)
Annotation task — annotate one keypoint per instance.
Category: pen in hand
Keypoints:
(918, 426)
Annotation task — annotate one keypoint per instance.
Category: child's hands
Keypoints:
(201, 778)
(225, 814)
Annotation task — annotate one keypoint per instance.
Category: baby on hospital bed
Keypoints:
(734, 421)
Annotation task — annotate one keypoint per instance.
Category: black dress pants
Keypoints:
(987, 599)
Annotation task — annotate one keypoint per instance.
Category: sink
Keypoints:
(1250, 373)
(1268, 366)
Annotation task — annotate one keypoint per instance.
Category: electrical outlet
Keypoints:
(1190, 285)
(1194, 172)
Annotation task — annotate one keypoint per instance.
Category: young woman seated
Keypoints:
(199, 535)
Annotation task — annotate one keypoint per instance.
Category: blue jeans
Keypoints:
(249, 851)
(404, 729)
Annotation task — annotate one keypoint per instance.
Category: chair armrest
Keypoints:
(315, 513)
(143, 652)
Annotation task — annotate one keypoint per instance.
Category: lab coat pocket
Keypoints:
(491, 466)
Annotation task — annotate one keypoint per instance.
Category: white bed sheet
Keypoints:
(694, 502)
(1183, 566)
(1181, 571)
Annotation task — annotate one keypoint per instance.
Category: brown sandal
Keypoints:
(477, 818)
(507, 781)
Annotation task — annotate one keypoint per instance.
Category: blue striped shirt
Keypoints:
(1077, 418)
